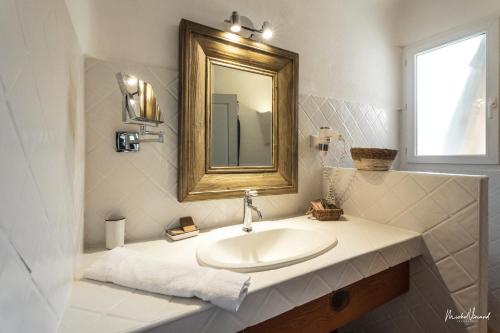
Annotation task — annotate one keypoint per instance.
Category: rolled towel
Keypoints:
(136, 270)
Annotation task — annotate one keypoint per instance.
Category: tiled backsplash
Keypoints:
(451, 212)
(143, 186)
(41, 173)
(493, 230)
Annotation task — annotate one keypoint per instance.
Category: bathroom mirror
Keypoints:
(241, 117)
(237, 115)
(139, 105)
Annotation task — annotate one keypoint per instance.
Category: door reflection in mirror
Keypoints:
(241, 118)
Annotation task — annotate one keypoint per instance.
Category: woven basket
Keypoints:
(328, 214)
(373, 159)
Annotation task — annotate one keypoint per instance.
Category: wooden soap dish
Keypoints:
(178, 233)
(186, 230)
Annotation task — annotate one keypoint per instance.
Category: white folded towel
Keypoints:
(136, 270)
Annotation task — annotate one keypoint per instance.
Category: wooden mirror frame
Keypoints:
(198, 46)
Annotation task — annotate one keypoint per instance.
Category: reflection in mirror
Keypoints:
(139, 101)
(241, 118)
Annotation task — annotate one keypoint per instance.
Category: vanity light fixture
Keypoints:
(235, 22)
(239, 24)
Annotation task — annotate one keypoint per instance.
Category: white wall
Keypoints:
(346, 51)
(423, 19)
(418, 20)
(346, 47)
(42, 162)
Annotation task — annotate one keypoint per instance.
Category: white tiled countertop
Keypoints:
(364, 248)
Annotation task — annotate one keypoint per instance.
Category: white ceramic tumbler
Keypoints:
(115, 232)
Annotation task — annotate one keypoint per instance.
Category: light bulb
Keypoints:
(267, 32)
(235, 22)
(131, 81)
(235, 28)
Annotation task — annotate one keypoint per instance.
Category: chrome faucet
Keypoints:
(247, 210)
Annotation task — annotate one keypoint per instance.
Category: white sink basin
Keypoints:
(270, 245)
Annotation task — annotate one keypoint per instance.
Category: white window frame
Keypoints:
(491, 29)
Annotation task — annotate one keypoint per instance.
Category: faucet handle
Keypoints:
(249, 193)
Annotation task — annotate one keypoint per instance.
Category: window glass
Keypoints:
(451, 99)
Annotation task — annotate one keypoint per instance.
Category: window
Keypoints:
(451, 98)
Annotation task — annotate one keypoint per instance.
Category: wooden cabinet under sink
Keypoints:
(340, 307)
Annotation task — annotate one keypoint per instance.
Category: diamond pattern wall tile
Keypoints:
(360, 124)
(467, 296)
(316, 288)
(431, 182)
(446, 209)
(41, 121)
(468, 259)
(155, 167)
(452, 236)
(436, 250)
(349, 275)
(452, 204)
(331, 275)
(294, 289)
(408, 191)
(395, 255)
(428, 213)
(224, 322)
(364, 263)
(196, 323)
(453, 274)
(274, 304)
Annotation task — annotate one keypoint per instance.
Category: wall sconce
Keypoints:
(140, 107)
(324, 138)
(236, 23)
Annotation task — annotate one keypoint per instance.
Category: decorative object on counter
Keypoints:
(222, 288)
(322, 142)
(187, 229)
(373, 159)
(324, 211)
(115, 232)
(139, 107)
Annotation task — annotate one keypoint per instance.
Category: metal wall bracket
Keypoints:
(129, 142)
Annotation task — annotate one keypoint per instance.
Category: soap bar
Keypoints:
(178, 234)
(317, 205)
(175, 232)
(190, 228)
(187, 224)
